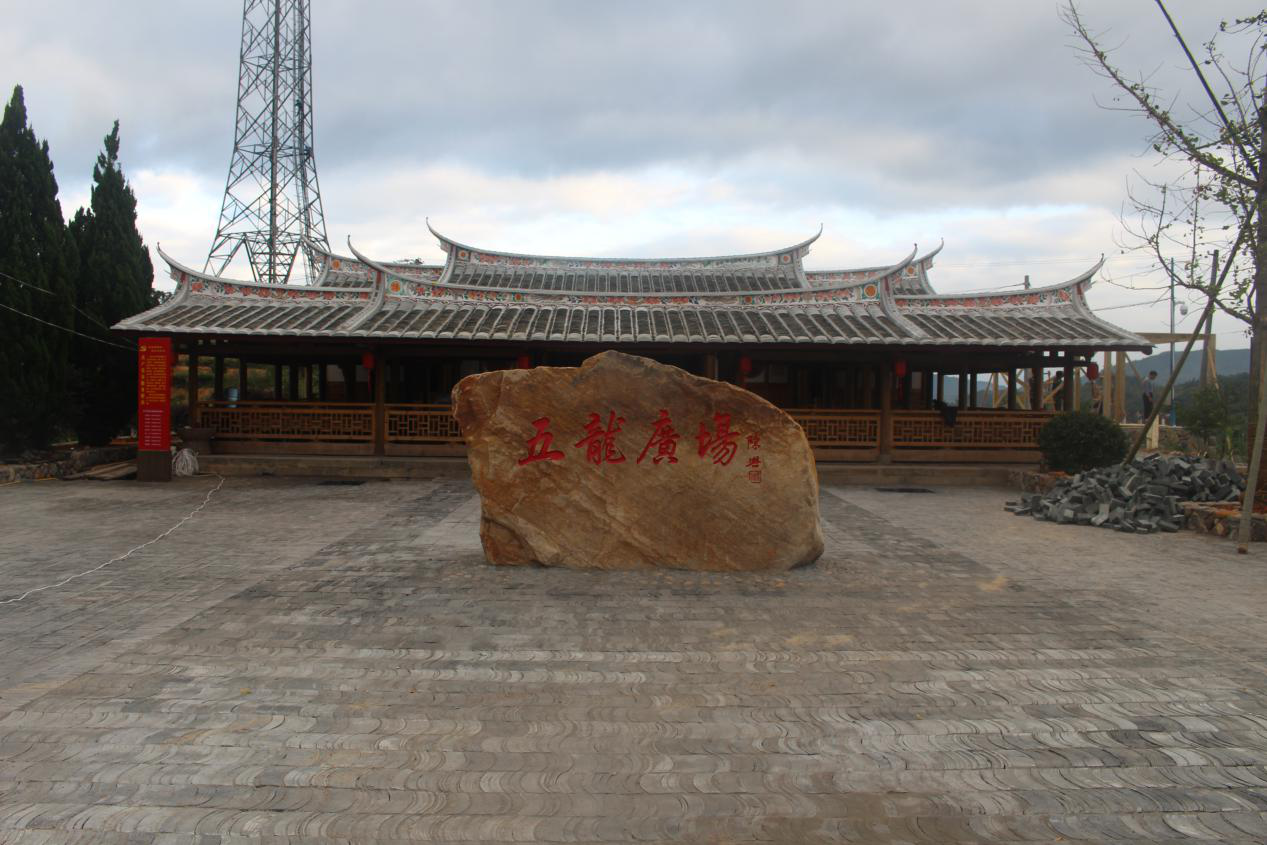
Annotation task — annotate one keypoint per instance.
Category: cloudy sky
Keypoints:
(647, 129)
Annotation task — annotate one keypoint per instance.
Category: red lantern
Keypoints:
(367, 360)
(899, 368)
(523, 362)
(745, 365)
(1093, 371)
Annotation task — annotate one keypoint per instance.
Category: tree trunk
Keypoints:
(1259, 334)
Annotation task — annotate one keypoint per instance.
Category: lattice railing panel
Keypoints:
(333, 421)
(826, 429)
(980, 430)
(422, 424)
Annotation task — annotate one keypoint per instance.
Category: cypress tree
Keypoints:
(115, 278)
(34, 247)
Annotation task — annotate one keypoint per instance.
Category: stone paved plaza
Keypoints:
(312, 663)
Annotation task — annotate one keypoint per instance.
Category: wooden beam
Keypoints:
(1163, 337)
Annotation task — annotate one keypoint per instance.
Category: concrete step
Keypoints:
(334, 466)
(923, 475)
(362, 466)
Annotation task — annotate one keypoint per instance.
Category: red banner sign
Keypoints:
(154, 395)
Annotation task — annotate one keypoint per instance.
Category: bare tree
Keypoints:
(1213, 194)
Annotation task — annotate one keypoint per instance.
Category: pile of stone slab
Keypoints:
(1144, 496)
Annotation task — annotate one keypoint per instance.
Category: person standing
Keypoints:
(1147, 393)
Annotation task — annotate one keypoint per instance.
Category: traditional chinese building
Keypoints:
(364, 359)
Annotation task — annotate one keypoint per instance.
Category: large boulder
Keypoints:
(625, 463)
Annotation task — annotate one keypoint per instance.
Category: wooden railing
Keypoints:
(416, 428)
(838, 429)
(973, 430)
(422, 424)
(313, 422)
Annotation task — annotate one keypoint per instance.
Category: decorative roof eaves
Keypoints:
(450, 246)
(315, 248)
(380, 290)
(886, 298)
(923, 264)
(816, 293)
(1076, 286)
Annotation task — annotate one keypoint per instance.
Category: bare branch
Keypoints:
(1227, 124)
(1173, 133)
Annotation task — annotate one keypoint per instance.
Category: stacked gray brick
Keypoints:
(1142, 497)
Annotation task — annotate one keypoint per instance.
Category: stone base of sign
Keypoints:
(153, 466)
(625, 463)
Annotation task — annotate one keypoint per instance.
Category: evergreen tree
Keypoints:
(115, 277)
(34, 247)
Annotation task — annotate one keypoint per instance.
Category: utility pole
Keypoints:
(1172, 332)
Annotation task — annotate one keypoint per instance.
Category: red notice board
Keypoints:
(154, 395)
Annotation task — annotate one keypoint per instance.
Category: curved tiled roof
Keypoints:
(778, 269)
(409, 301)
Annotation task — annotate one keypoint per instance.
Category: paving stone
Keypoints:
(337, 664)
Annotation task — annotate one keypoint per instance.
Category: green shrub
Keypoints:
(1205, 414)
(1079, 441)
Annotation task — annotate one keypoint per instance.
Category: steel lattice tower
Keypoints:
(271, 201)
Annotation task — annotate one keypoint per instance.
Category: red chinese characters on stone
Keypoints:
(600, 443)
(719, 444)
(664, 438)
(754, 441)
(539, 445)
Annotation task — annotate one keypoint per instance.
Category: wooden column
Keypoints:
(1036, 389)
(380, 401)
(277, 382)
(886, 412)
(963, 390)
(710, 365)
(908, 382)
(941, 387)
(217, 392)
(293, 379)
(926, 386)
(192, 388)
(323, 377)
(1066, 399)
(1119, 388)
(1209, 360)
(1106, 386)
(242, 379)
(1011, 389)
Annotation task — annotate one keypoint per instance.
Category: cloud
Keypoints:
(636, 129)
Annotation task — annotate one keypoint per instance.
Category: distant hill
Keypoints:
(1228, 362)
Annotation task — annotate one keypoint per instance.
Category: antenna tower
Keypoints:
(271, 200)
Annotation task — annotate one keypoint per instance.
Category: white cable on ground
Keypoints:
(126, 554)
